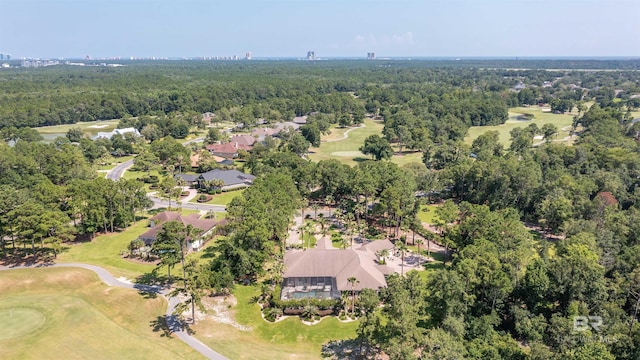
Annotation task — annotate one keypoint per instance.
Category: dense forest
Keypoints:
(537, 236)
(68, 94)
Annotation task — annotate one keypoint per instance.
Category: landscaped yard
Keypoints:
(105, 251)
(115, 161)
(220, 199)
(286, 339)
(541, 117)
(69, 313)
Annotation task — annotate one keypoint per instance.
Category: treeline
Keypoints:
(66, 95)
(49, 194)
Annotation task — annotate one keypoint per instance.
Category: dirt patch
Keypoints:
(218, 309)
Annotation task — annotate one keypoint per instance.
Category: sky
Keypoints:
(331, 28)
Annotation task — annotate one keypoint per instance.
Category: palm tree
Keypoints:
(309, 228)
(359, 211)
(328, 200)
(349, 223)
(353, 281)
(324, 230)
(315, 208)
(384, 253)
(402, 248)
(419, 242)
(323, 221)
(301, 228)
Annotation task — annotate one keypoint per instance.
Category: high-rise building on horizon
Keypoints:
(371, 56)
(311, 55)
(247, 55)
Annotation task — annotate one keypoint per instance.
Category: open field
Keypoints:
(286, 339)
(90, 128)
(541, 117)
(69, 313)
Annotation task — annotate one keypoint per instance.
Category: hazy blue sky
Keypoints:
(272, 28)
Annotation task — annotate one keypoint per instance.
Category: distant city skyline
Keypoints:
(329, 28)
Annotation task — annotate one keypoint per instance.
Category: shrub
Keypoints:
(271, 314)
(151, 179)
(309, 312)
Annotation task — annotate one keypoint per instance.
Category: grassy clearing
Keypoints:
(427, 214)
(84, 318)
(336, 133)
(407, 158)
(105, 251)
(90, 128)
(541, 117)
(220, 199)
(287, 339)
(347, 150)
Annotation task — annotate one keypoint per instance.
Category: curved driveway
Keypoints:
(116, 173)
(173, 323)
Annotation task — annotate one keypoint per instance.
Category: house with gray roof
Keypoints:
(324, 273)
(232, 179)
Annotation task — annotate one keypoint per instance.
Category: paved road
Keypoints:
(162, 203)
(116, 173)
(172, 322)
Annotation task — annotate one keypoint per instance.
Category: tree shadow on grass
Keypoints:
(150, 284)
(160, 325)
(341, 349)
(167, 325)
(209, 252)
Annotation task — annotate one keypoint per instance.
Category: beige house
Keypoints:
(325, 273)
(205, 226)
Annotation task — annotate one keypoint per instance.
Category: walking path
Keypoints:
(345, 135)
(174, 325)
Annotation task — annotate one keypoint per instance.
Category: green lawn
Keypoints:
(221, 199)
(347, 150)
(114, 161)
(541, 117)
(90, 128)
(427, 214)
(105, 251)
(69, 313)
(407, 158)
(287, 339)
(336, 133)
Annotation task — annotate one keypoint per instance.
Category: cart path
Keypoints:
(345, 135)
(172, 322)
